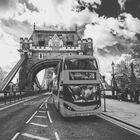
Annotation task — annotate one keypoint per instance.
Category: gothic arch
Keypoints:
(38, 67)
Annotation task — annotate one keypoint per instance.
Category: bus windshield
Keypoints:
(81, 93)
(80, 64)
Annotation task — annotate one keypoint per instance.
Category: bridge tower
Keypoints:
(45, 48)
(48, 75)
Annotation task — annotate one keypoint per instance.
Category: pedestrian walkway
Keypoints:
(125, 111)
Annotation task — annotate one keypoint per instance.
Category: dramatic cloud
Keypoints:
(29, 5)
(7, 8)
(7, 4)
(108, 8)
(111, 8)
(114, 25)
(122, 4)
(112, 38)
(9, 46)
(15, 28)
(133, 7)
(51, 12)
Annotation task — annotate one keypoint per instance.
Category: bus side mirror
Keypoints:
(61, 86)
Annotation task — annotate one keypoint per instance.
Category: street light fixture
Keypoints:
(113, 79)
(112, 68)
(104, 93)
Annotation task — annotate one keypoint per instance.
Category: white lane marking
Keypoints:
(31, 117)
(48, 111)
(49, 117)
(45, 93)
(34, 137)
(41, 111)
(56, 135)
(37, 116)
(30, 103)
(46, 102)
(120, 124)
(17, 103)
(41, 105)
(37, 124)
(15, 136)
(46, 105)
(47, 99)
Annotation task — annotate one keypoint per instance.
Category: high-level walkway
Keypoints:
(127, 112)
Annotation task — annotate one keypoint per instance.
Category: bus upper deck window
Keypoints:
(69, 64)
(83, 64)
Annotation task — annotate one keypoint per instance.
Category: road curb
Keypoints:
(118, 119)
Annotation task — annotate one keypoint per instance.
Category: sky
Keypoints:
(114, 25)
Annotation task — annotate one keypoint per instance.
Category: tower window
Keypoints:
(40, 55)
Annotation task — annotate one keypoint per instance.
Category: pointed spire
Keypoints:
(34, 25)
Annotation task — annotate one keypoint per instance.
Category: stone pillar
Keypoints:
(23, 76)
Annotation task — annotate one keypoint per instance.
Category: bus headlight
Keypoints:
(68, 107)
(97, 106)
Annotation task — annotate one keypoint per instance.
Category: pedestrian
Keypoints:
(119, 95)
(137, 95)
(5, 97)
(14, 91)
(10, 91)
(131, 95)
(127, 93)
(123, 95)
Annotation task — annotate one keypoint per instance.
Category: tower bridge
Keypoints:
(42, 50)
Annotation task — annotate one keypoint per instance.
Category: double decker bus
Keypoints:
(76, 87)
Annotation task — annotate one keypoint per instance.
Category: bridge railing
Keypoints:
(8, 96)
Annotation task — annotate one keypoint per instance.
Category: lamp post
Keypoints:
(113, 78)
(104, 93)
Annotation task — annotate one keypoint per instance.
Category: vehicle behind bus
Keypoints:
(76, 87)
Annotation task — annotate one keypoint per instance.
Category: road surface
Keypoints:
(31, 120)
